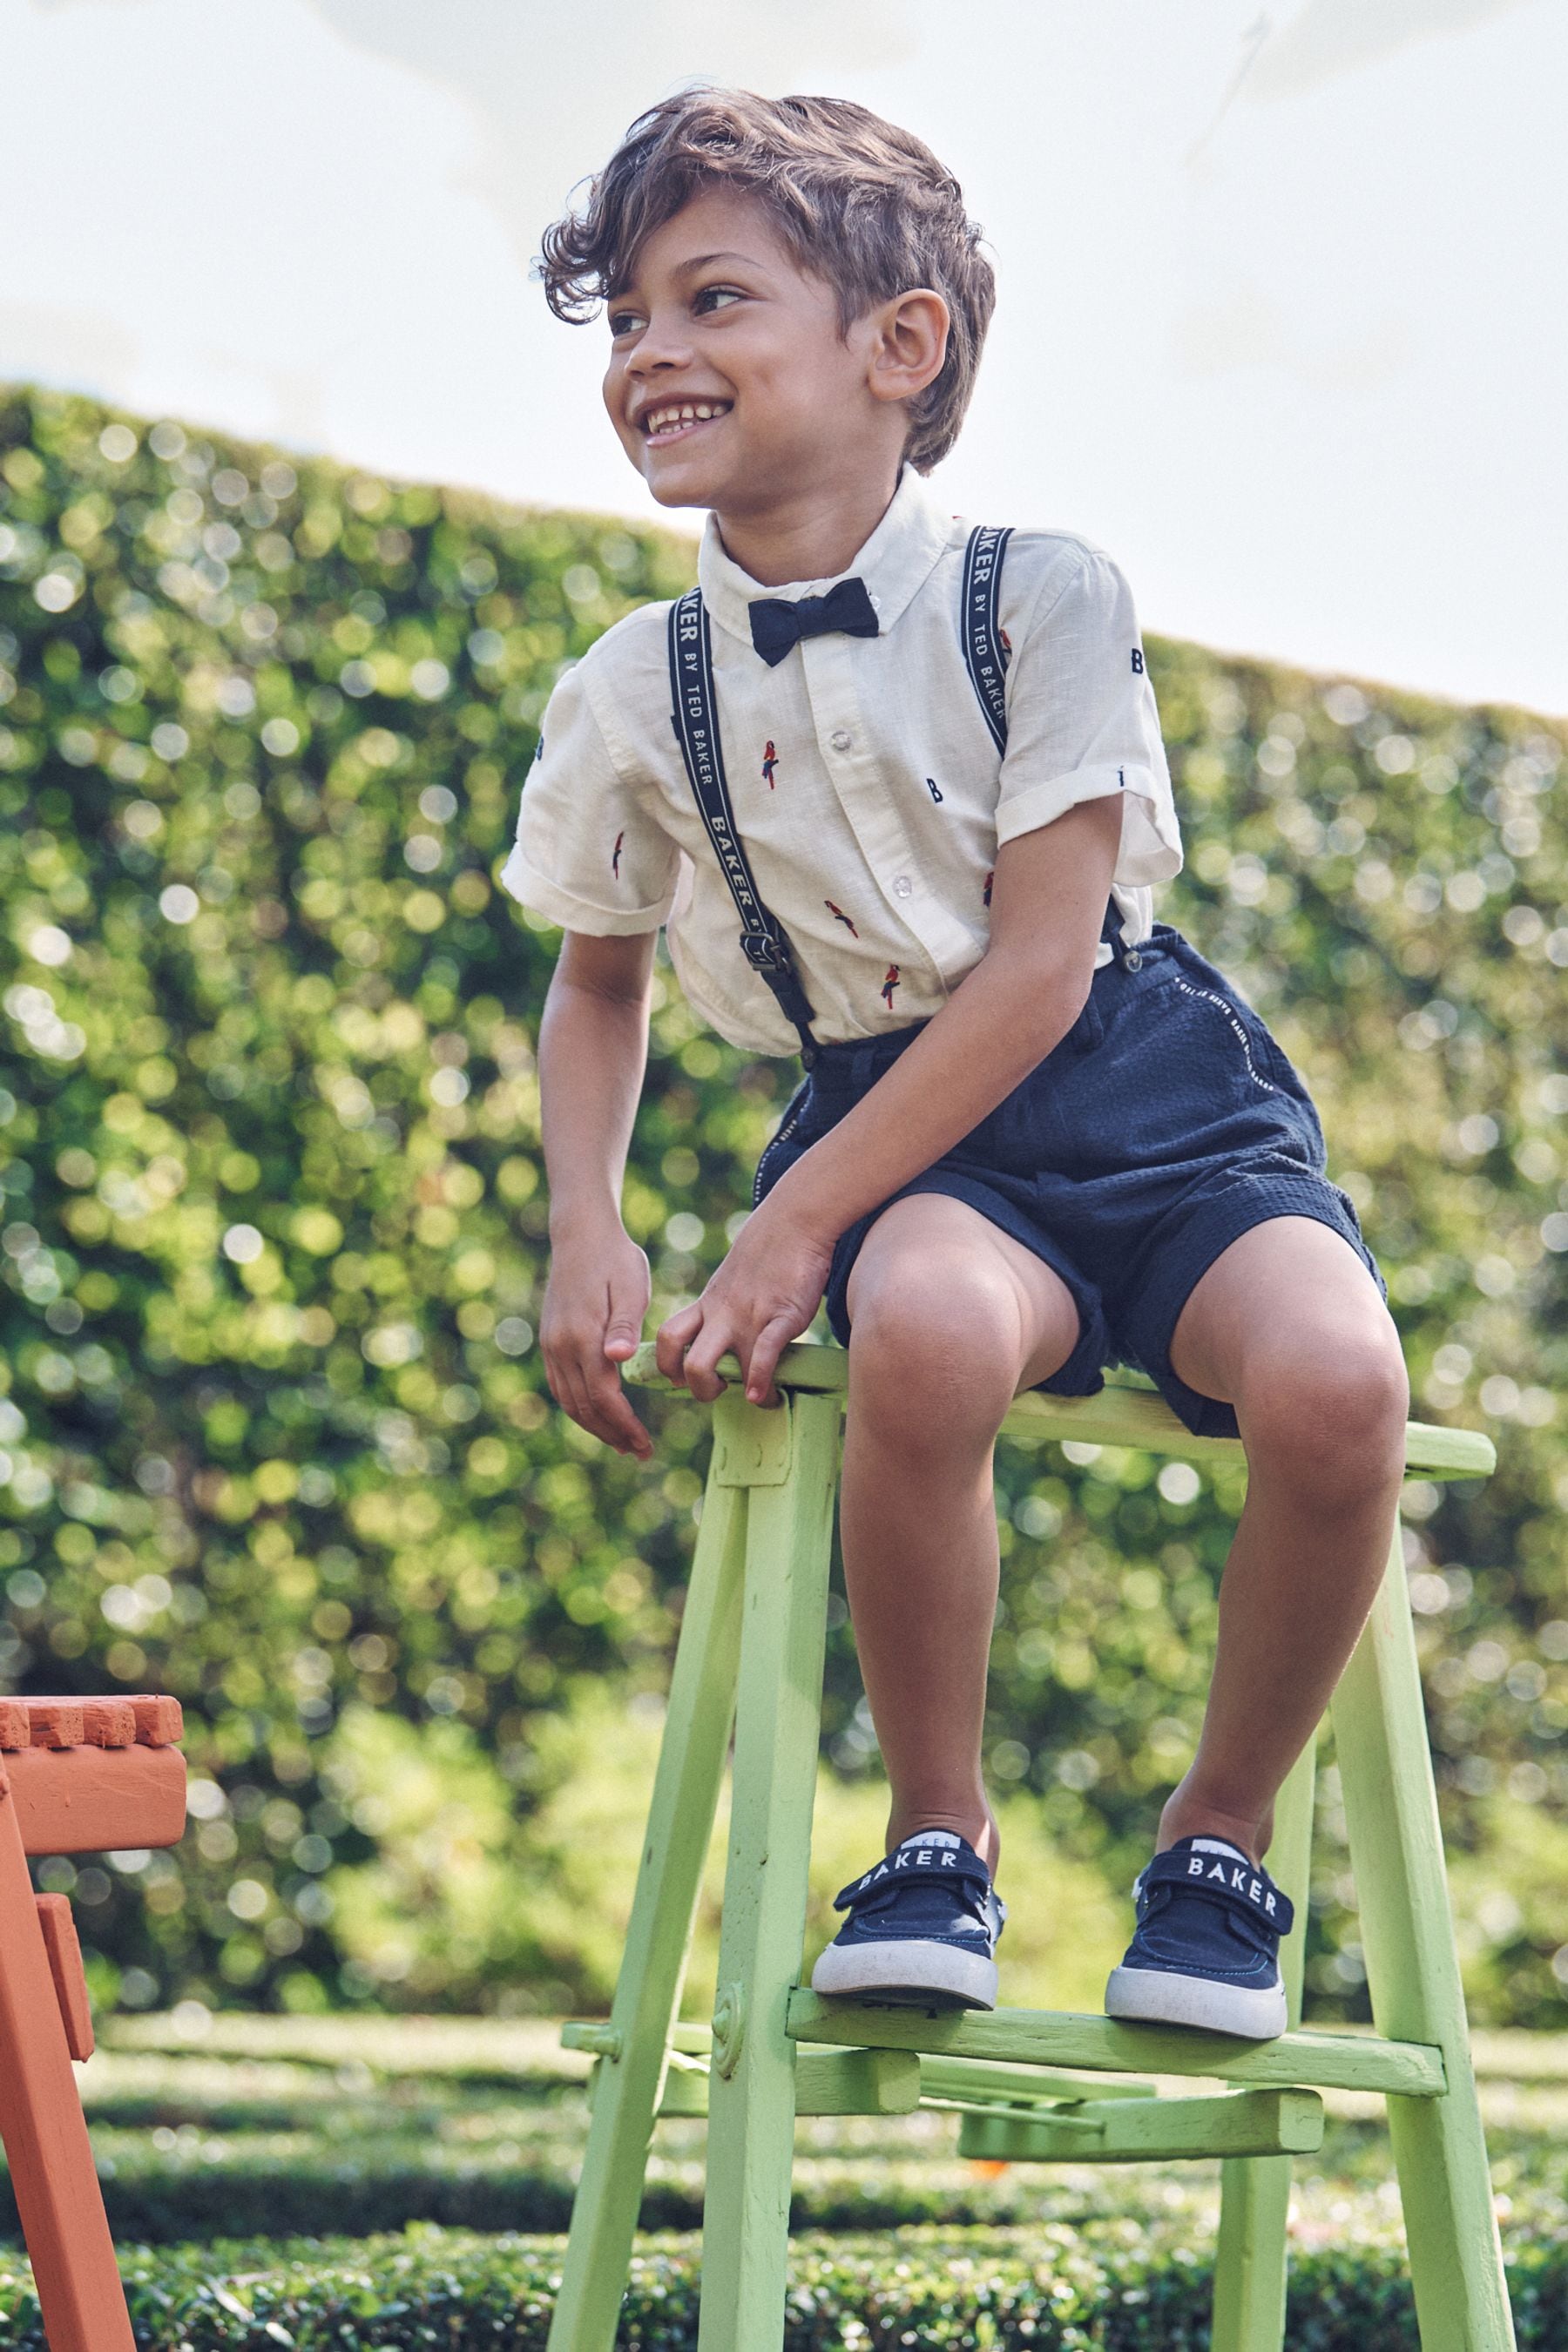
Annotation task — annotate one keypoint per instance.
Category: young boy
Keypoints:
(1038, 1131)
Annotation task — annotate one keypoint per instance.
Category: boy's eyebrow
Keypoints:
(700, 261)
(685, 268)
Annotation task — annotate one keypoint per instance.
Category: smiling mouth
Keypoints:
(673, 419)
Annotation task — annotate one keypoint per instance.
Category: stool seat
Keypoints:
(1026, 2085)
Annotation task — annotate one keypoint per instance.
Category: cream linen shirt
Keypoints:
(866, 783)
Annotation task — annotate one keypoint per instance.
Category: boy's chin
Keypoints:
(693, 492)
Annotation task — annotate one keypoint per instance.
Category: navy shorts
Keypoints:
(1166, 1122)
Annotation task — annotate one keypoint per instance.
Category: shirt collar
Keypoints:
(894, 563)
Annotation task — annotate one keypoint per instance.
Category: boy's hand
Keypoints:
(594, 1302)
(764, 1295)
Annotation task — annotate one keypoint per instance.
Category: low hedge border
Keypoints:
(1115, 2286)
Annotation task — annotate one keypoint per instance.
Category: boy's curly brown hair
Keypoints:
(856, 201)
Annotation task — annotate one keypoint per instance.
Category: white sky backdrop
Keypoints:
(1280, 317)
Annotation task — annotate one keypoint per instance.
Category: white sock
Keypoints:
(931, 1837)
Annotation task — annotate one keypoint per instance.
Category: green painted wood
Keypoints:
(1234, 2125)
(1341, 2062)
(770, 1494)
(685, 2089)
(826, 2082)
(981, 2081)
(626, 2088)
(1129, 1411)
(1254, 2194)
(1412, 1976)
(751, 2091)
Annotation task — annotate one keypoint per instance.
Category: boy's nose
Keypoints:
(661, 344)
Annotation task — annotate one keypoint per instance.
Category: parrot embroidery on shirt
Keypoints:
(615, 855)
(1007, 640)
(988, 882)
(840, 917)
(770, 762)
(889, 984)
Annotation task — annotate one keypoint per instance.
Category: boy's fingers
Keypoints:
(595, 1412)
(766, 1349)
(673, 1337)
(701, 1356)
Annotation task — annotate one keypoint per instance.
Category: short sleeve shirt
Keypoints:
(866, 783)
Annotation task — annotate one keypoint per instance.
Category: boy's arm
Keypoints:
(592, 1054)
(1048, 901)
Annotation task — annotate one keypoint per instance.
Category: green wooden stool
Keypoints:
(1025, 2083)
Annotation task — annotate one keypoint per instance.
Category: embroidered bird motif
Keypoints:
(988, 881)
(770, 762)
(840, 917)
(1007, 640)
(888, 985)
(935, 793)
(615, 855)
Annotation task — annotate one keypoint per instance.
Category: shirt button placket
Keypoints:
(841, 740)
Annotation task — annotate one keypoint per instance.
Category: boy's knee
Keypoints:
(1335, 1418)
(932, 1346)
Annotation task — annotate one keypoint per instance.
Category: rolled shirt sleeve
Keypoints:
(588, 856)
(1082, 721)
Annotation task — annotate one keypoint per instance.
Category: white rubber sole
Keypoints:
(914, 1971)
(1163, 1998)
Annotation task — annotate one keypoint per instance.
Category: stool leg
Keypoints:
(627, 2089)
(751, 2107)
(1413, 1974)
(50, 2156)
(1255, 2191)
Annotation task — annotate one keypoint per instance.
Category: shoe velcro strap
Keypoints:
(1220, 1878)
(884, 1879)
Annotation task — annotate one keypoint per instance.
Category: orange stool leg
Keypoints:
(45, 2131)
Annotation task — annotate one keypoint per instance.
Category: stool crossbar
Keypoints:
(1026, 2084)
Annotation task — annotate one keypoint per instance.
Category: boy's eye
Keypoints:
(704, 301)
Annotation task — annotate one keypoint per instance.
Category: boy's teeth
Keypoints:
(665, 417)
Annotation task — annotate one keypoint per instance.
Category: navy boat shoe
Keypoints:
(1206, 1951)
(922, 1929)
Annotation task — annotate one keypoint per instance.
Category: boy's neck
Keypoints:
(813, 534)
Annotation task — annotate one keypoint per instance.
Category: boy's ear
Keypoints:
(909, 345)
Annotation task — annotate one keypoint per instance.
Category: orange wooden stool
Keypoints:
(77, 1776)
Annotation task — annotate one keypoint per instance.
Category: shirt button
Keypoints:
(840, 740)
(902, 886)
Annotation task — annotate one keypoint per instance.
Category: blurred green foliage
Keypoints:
(275, 1436)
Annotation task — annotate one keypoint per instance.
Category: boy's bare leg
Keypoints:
(952, 1317)
(1288, 1325)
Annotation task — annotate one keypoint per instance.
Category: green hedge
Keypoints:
(1114, 2290)
(276, 1436)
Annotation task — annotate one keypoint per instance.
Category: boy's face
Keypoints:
(718, 314)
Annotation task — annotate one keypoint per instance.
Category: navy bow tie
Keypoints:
(777, 625)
